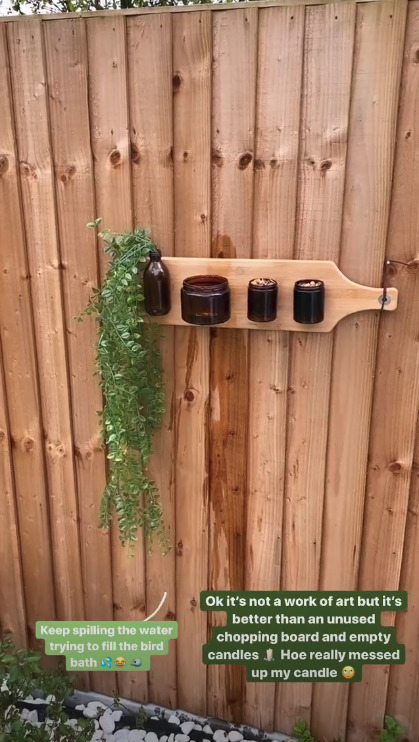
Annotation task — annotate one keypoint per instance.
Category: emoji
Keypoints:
(120, 662)
(137, 662)
(348, 672)
(107, 662)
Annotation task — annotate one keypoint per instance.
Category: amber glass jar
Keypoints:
(262, 299)
(205, 300)
(309, 301)
(156, 283)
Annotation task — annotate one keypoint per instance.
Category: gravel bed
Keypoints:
(118, 723)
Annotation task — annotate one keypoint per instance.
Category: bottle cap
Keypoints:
(155, 254)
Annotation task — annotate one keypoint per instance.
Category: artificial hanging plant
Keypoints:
(130, 368)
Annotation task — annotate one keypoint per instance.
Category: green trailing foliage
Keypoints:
(131, 376)
(20, 675)
(392, 731)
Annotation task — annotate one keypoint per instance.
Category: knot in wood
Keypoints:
(177, 81)
(2, 435)
(259, 164)
(67, 172)
(179, 548)
(274, 163)
(28, 444)
(56, 450)
(395, 467)
(189, 396)
(416, 56)
(245, 160)
(4, 164)
(326, 165)
(115, 157)
(170, 616)
(28, 171)
(217, 158)
(135, 154)
(193, 603)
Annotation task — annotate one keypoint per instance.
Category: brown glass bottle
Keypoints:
(156, 282)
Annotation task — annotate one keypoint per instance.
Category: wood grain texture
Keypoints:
(366, 210)
(31, 121)
(280, 57)
(192, 45)
(404, 233)
(109, 137)
(66, 57)
(233, 130)
(329, 34)
(395, 403)
(12, 603)
(20, 377)
(151, 127)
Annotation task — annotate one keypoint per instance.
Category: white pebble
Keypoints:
(171, 737)
(33, 717)
(219, 735)
(187, 727)
(136, 735)
(107, 723)
(97, 735)
(198, 727)
(89, 713)
(25, 714)
(164, 738)
(156, 718)
(151, 737)
(80, 707)
(207, 729)
(174, 719)
(122, 734)
(234, 736)
(50, 699)
(181, 738)
(116, 715)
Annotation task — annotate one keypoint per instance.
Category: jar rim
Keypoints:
(271, 284)
(205, 283)
(304, 283)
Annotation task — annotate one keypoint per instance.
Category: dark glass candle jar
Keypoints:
(309, 301)
(156, 284)
(262, 299)
(205, 300)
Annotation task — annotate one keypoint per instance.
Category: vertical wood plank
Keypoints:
(404, 236)
(66, 57)
(12, 604)
(192, 47)
(233, 122)
(395, 405)
(151, 126)
(328, 52)
(20, 378)
(280, 57)
(109, 136)
(31, 119)
(375, 84)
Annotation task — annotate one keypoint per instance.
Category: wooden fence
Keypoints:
(286, 461)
